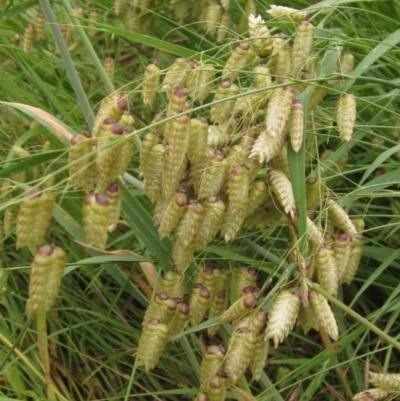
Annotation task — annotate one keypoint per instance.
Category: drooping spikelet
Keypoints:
(93, 17)
(317, 95)
(82, 169)
(40, 25)
(161, 307)
(278, 110)
(326, 318)
(283, 63)
(217, 388)
(177, 102)
(220, 112)
(189, 222)
(151, 83)
(243, 277)
(181, 10)
(238, 190)
(281, 187)
(114, 195)
(198, 303)
(29, 36)
(280, 162)
(308, 319)
(213, 14)
(373, 394)
(303, 41)
(296, 125)
(201, 397)
(8, 222)
(258, 194)
(180, 318)
(200, 81)
(282, 315)
(344, 66)
(152, 342)
(45, 279)
(260, 357)
(223, 27)
(339, 217)
(177, 75)
(354, 260)
(204, 275)
(213, 362)
(388, 381)
(33, 218)
(346, 114)
(342, 248)
(95, 214)
(174, 210)
(260, 38)
(152, 183)
(240, 353)
(173, 284)
(145, 163)
(198, 139)
(217, 307)
(315, 192)
(267, 146)
(287, 14)
(239, 308)
(327, 270)
(314, 233)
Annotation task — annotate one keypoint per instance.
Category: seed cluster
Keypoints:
(386, 385)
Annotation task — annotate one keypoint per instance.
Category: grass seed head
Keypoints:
(339, 217)
(180, 318)
(259, 360)
(8, 222)
(212, 17)
(283, 63)
(152, 183)
(109, 67)
(281, 187)
(200, 81)
(239, 309)
(177, 75)
(354, 260)
(217, 387)
(287, 14)
(223, 27)
(373, 394)
(198, 303)
(342, 248)
(198, 139)
(217, 307)
(388, 381)
(221, 112)
(40, 25)
(296, 125)
(346, 114)
(177, 101)
(303, 41)
(29, 37)
(308, 319)
(327, 270)
(114, 195)
(213, 362)
(173, 284)
(151, 83)
(260, 38)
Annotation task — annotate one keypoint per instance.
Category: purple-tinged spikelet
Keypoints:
(173, 212)
(198, 303)
(114, 195)
(213, 362)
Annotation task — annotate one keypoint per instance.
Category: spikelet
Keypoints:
(221, 112)
(258, 194)
(174, 210)
(280, 162)
(29, 36)
(238, 190)
(339, 217)
(178, 322)
(152, 183)
(205, 276)
(327, 271)
(314, 233)
(182, 255)
(3, 279)
(175, 157)
(262, 77)
(238, 60)
(359, 224)
(373, 394)
(33, 218)
(8, 222)
(354, 260)
(45, 279)
(239, 308)
(282, 315)
(82, 169)
(151, 83)
(240, 353)
(243, 277)
(315, 192)
(217, 136)
(198, 303)
(200, 81)
(181, 10)
(317, 95)
(109, 67)
(296, 125)
(118, 6)
(213, 14)
(177, 102)
(223, 27)
(214, 216)
(281, 187)
(3, 5)
(342, 248)
(308, 319)
(303, 41)
(213, 362)
(326, 318)
(346, 113)
(93, 17)
(201, 397)
(388, 381)
(162, 307)
(260, 38)
(145, 162)
(198, 139)
(344, 66)
(39, 25)
(278, 110)
(95, 214)
(217, 387)
(260, 357)
(177, 75)
(114, 195)
(189, 222)
(217, 307)
(283, 63)
(173, 284)
(287, 14)
(267, 146)
(152, 342)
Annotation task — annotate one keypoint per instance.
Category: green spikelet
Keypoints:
(33, 218)
(317, 95)
(177, 75)
(283, 63)
(218, 136)
(189, 222)
(40, 25)
(258, 194)
(346, 114)
(82, 169)
(315, 234)
(214, 176)
(145, 163)
(29, 36)
(282, 315)
(238, 191)
(281, 187)
(346, 63)
(217, 388)
(177, 102)
(3, 279)
(180, 318)
(152, 342)
(162, 307)
(114, 195)
(153, 174)
(151, 83)
(308, 319)
(3, 5)
(240, 57)
(8, 222)
(109, 67)
(93, 17)
(373, 394)
(339, 217)
(326, 319)
(212, 17)
(182, 255)
(296, 125)
(278, 110)
(388, 381)
(45, 279)
(262, 77)
(198, 303)
(315, 192)
(243, 277)
(175, 157)
(181, 10)
(200, 81)
(287, 14)
(280, 162)
(240, 353)
(213, 362)
(303, 41)
(359, 224)
(205, 276)
(198, 140)
(260, 357)
(173, 284)
(201, 397)
(354, 260)
(239, 309)
(342, 248)
(218, 305)
(174, 210)
(267, 146)
(253, 321)
(220, 112)
(260, 38)
(214, 216)
(223, 27)
(327, 270)
(126, 147)
(95, 213)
